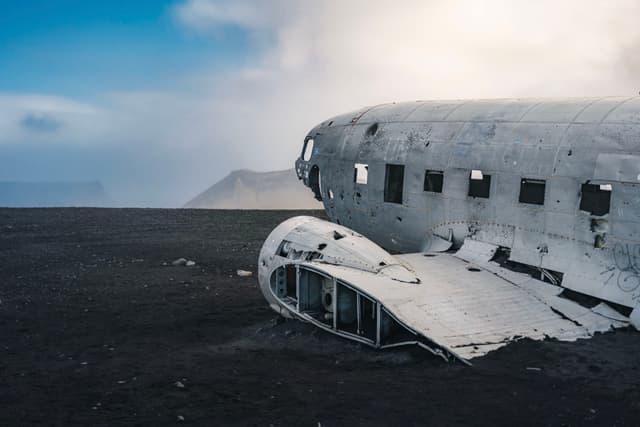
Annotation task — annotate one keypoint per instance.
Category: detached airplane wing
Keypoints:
(454, 304)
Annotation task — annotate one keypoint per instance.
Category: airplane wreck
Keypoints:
(461, 226)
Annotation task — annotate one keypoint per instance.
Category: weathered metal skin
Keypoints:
(308, 246)
(566, 143)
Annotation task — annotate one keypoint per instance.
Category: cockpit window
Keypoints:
(307, 151)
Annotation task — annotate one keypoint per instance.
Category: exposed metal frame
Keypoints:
(295, 312)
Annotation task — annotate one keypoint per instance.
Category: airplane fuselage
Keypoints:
(556, 183)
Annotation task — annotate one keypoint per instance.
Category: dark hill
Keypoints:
(244, 189)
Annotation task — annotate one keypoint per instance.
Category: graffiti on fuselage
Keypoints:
(625, 271)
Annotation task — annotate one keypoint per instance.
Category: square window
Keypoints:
(393, 183)
(596, 199)
(479, 184)
(433, 181)
(532, 191)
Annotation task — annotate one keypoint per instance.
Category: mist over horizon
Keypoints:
(160, 100)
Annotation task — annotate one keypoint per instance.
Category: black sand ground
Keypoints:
(96, 330)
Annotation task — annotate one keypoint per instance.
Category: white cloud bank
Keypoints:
(320, 58)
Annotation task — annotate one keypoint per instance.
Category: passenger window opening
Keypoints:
(393, 183)
(595, 199)
(532, 191)
(307, 150)
(479, 184)
(361, 173)
(433, 181)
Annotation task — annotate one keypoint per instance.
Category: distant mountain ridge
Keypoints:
(245, 189)
(53, 194)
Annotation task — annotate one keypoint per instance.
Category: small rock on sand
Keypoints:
(179, 261)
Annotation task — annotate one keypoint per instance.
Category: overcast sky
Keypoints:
(158, 100)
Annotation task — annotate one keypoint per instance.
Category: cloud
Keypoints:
(321, 58)
(40, 123)
(315, 59)
(29, 117)
(393, 50)
(202, 15)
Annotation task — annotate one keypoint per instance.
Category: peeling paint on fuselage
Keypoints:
(566, 143)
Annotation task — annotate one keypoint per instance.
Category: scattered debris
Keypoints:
(244, 273)
(183, 262)
(179, 384)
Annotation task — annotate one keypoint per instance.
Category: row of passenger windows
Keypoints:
(595, 198)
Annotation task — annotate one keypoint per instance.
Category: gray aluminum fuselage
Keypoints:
(563, 144)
